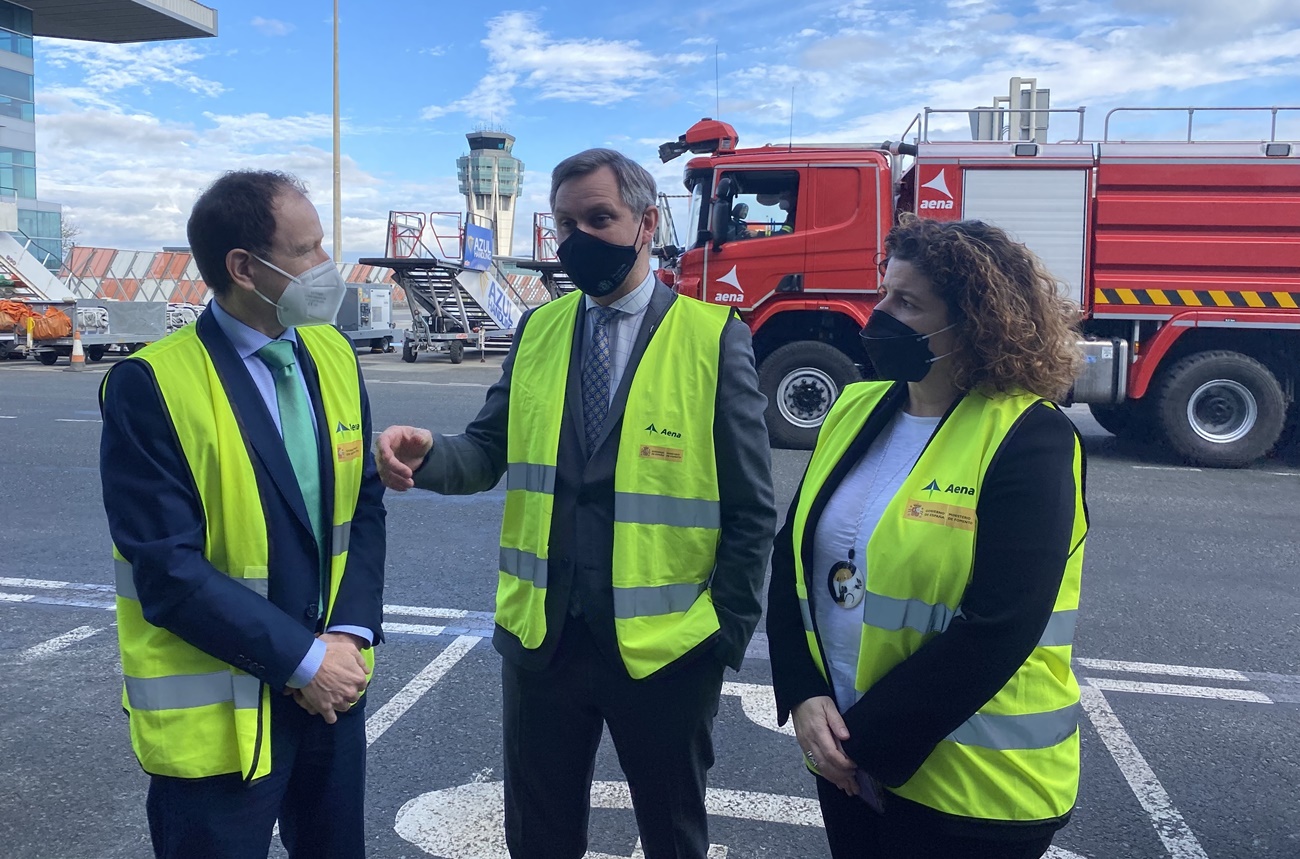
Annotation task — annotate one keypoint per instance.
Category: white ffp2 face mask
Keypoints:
(310, 298)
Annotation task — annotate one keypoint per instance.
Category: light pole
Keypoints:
(338, 172)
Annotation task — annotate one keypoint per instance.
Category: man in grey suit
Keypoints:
(639, 518)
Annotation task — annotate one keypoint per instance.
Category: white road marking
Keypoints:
(371, 381)
(1060, 853)
(395, 707)
(8, 417)
(422, 611)
(414, 628)
(759, 706)
(1160, 668)
(1164, 468)
(1109, 685)
(50, 584)
(464, 822)
(1174, 833)
(59, 642)
(77, 421)
(43, 600)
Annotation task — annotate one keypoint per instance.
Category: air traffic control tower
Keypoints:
(490, 178)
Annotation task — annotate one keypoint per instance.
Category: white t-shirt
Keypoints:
(850, 516)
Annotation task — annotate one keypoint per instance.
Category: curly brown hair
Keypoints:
(1015, 331)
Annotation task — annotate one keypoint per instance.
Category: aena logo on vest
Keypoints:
(654, 430)
(342, 428)
(953, 489)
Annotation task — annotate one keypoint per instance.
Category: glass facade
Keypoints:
(18, 166)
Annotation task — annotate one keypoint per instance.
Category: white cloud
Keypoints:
(591, 71)
(272, 27)
(109, 68)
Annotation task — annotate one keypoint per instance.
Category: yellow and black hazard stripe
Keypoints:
(1197, 298)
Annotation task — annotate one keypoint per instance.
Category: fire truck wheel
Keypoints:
(408, 352)
(1221, 409)
(456, 351)
(801, 380)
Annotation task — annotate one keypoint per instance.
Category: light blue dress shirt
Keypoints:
(247, 341)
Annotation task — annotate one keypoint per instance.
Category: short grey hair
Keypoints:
(635, 184)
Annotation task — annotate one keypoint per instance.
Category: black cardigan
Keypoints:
(1026, 517)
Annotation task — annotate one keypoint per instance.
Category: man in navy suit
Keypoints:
(248, 530)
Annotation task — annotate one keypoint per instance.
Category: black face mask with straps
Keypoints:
(897, 351)
(596, 266)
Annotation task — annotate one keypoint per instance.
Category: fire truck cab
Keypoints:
(1183, 256)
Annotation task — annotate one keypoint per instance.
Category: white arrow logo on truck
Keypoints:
(940, 184)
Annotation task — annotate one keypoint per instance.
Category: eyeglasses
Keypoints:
(882, 262)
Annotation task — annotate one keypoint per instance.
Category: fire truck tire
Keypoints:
(801, 380)
(1220, 409)
(456, 351)
(408, 352)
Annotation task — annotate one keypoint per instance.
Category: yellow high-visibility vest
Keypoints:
(666, 508)
(192, 715)
(1017, 758)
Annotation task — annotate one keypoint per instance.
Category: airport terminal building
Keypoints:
(118, 21)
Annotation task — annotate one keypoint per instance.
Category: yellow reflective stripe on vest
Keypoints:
(637, 509)
(524, 566)
(893, 614)
(187, 691)
(649, 601)
(530, 477)
(1025, 731)
(125, 581)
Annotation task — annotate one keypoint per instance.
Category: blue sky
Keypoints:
(128, 135)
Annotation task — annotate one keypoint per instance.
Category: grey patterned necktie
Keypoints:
(596, 374)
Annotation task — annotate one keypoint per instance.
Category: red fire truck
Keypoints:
(1184, 257)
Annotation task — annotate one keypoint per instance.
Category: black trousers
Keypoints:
(316, 790)
(856, 832)
(662, 729)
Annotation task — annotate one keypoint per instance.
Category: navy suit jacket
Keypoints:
(156, 520)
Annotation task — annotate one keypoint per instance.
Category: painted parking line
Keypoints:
(1169, 824)
(373, 381)
(396, 706)
(59, 642)
(1108, 684)
(1162, 668)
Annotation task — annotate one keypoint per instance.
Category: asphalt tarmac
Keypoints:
(1188, 646)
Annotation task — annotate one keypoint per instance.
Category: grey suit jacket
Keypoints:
(582, 530)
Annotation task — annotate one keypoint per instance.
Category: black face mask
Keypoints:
(594, 265)
(897, 351)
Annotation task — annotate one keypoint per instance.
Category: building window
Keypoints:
(15, 43)
(18, 180)
(23, 110)
(16, 18)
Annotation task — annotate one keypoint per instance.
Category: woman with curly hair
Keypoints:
(925, 585)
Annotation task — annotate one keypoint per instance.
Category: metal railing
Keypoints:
(1191, 116)
(1032, 113)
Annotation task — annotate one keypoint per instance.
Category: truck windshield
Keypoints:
(697, 218)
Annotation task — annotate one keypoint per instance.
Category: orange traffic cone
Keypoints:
(78, 356)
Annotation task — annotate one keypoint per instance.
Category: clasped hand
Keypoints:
(339, 681)
(820, 729)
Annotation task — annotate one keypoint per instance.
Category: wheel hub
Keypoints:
(1222, 411)
(805, 396)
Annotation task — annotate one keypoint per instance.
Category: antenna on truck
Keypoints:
(790, 144)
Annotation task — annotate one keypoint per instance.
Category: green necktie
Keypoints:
(297, 430)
